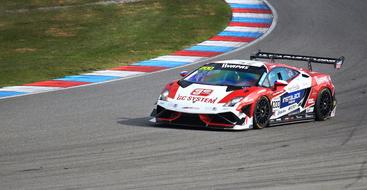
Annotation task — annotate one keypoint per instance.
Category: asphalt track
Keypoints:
(98, 137)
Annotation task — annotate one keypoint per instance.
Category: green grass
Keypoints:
(38, 45)
(31, 4)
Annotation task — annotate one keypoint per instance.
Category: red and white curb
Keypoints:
(251, 20)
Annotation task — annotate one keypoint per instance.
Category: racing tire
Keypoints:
(324, 105)
(262, 113)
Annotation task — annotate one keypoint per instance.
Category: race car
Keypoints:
(246, 94)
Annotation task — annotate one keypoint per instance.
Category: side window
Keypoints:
(290, 73)
(277, 73)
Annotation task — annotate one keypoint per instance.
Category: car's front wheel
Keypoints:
(324, 105)
(262, 113)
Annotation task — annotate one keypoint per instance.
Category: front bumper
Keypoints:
(204, 116)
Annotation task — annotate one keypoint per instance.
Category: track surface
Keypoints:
(98, 137)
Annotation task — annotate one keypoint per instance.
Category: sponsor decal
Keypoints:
(305, 84)
(286, 110)
(261, 91)
(194, 99)
(309, 116)
(291, 98)
(292, 107)
(193, 108)
(201, 92)
(309, 110)
(292, 88)
(296, 57)
(206, 68)
(276, 104)
(234, 66)
(280, 112)
(295, 112)
(311, 101)
(290, 118)
(323, 79)
(300, 117)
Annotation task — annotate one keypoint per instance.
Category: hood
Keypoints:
(199, 94)
(200, 98)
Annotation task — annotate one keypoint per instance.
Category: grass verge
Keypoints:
(40, 44)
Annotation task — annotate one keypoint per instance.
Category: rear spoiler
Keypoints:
(337, 62)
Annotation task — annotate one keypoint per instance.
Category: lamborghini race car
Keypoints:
(245, 94)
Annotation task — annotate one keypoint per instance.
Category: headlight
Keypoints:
(233, 102)
(164, 95)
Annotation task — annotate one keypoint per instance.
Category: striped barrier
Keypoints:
(250, 20)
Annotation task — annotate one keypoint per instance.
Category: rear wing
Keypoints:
(337, 62)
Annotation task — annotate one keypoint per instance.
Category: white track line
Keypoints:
(115, 73)
(178, 58)
(222, 43)
(245, 1)
(245, 29)
(30, 89)
(252, 15)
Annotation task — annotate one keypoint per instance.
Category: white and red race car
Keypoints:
(245, 94)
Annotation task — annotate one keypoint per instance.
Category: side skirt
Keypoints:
(293, 118)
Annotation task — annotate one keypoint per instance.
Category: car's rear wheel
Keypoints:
(262, 113)
(324, 105)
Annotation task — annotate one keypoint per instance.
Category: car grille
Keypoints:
(226, 119)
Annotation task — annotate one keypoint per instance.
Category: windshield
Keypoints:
(226, 74)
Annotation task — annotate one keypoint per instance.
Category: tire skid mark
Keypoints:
(359, 177)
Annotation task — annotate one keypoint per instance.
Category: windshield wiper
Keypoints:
(233, 87)
(184, 83)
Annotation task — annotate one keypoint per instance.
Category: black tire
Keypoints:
(324, 105)
(262, 113)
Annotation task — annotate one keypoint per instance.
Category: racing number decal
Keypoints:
(206, 68)
(276, 104)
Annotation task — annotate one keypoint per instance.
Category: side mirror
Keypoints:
(280, 83)
(184, 73)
